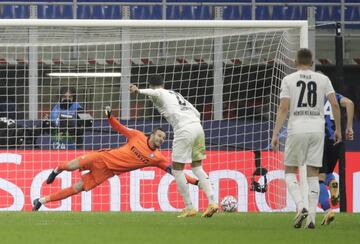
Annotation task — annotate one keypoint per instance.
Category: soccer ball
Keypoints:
(229, 204)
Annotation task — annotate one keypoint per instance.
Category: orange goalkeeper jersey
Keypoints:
(135, 154)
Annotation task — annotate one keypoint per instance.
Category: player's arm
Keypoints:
(280, 119)
(336, 113)
(147, 92)
(349, 106)
(168, 168)
(116, 125)
(281, 113)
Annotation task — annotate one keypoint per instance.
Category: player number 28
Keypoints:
(311, 93)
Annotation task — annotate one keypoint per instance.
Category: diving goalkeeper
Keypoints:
(140, 151)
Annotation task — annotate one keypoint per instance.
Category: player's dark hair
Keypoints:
(156, 80)
(304, 57)
(156, 129)
(69, 89)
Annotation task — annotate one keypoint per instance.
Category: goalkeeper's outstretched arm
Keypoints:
(116, 125)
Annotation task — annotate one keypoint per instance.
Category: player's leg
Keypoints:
(182, 154)
(314, 162)
(324, 201)
(324, 194)
(59, 195)
(293, 188)
(294, 156)
(98, 173)
(313, 195)
(205, 185)
(183, 188)
(330, 178)
(68, 166)
(198, 154)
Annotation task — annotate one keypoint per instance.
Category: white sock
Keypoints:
(314, 189)
(42, 200)
(204, 183)
(294, 190)
(57, 170)
(182, 187)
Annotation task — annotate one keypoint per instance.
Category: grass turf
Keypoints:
(111, 227)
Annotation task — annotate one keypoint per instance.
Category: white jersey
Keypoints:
(306, 90)
(173, 106)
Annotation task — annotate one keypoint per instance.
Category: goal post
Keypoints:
(229, 70)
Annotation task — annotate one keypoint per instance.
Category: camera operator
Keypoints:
(65, 133)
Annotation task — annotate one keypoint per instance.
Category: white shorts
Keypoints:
(303, 149)
(189, 144)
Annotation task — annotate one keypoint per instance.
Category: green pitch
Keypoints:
(159, 228)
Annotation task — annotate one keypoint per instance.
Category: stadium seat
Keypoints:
(112, 12)
(6, 12)
(21, 11)
(63, 12)
(140, 12)
(277, 12)
(173, 12)
(295, 13)
(352, 13)
(43, 11)
(262, 13)
(327, 13)
(203, 12)
(90, 12)
(237, 12)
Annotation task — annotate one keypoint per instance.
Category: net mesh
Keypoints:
(231, 75)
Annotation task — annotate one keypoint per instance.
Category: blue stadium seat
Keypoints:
(45, 11)
(6, 12)
(112, 12)
(352, 13)
(63, 12)
(237, 12)
(295, 13)
(156, 12)
(262, 13)
(146, 12)
(203, 12)
(90, 12)
(277, 12)
(187, 12)
(327, 13)
(19, 11)
(55, 12)
(180, 12)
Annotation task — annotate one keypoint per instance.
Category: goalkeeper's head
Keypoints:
(156, 81)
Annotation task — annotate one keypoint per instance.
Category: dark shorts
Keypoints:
(331, 156)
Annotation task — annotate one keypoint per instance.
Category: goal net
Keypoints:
(58, 76)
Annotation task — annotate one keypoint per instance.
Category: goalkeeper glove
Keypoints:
(108, 111)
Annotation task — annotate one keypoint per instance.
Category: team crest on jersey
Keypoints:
(152, 155)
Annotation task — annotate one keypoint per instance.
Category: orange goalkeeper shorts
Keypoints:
(99, 172)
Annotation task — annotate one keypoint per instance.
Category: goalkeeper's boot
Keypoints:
(187, 212)
(211, 209)
(328, 218)
(36, 204)
(51, 177)
(334, 192)
(300, 217)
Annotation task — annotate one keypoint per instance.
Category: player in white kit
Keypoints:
(188, 143)
(302, 95)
